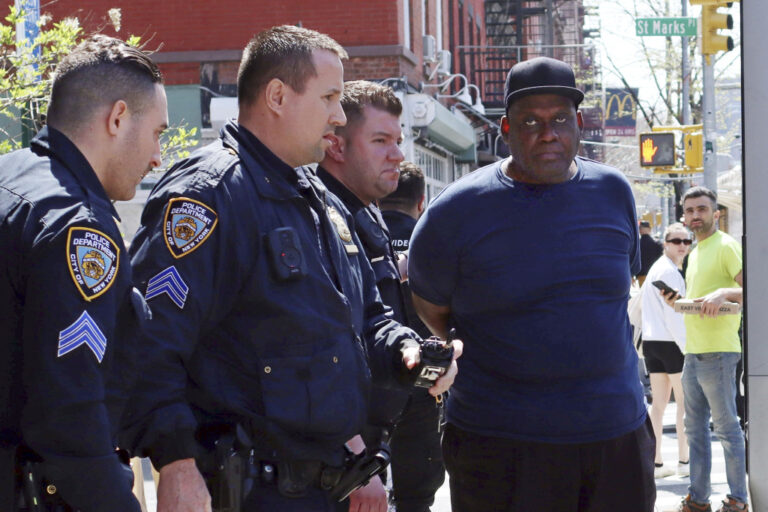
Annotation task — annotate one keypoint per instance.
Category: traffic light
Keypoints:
(712, 21)
(657, 149)
(694, 150)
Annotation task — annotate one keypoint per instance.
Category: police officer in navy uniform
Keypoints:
(266, 319)
(403, 207)
(360, 167)
(400, 210)
(70, 312)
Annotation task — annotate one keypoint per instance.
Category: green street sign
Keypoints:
(666, 26)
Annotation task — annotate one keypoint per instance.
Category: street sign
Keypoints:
(666, 26)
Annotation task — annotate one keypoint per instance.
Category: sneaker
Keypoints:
(731, 505)
(683, 468)
(662, 471)
(689, 506)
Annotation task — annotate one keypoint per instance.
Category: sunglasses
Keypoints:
(678, 241)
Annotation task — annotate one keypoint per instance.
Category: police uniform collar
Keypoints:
(273, 177)
(51, 142)
(350, 200)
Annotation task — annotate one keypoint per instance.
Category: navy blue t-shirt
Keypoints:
(537, 278)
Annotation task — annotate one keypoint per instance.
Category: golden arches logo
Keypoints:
(620, 100)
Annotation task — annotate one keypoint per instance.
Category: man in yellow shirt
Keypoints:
(713, 350)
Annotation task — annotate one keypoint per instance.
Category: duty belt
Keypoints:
(236, 471)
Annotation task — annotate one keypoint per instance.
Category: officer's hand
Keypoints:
(411, 357)
(182, 488)
(370, 498)
(402, 265)
(446, 381)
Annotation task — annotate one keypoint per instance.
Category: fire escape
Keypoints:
(521, 29)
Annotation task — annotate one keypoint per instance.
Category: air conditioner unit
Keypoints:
(429, 47)
(444, 56)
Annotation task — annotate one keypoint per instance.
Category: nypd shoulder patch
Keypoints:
(83, 331)
(93, 260)
(188, 223)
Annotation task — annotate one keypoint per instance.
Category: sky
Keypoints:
(620, 42)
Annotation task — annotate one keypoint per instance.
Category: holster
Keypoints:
(229, 470)
(360, 469)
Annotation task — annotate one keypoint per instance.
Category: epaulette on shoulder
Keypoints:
(208, 166)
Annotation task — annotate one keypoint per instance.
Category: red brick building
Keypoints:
(410, 42)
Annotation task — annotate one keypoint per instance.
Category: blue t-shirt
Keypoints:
(537, 278)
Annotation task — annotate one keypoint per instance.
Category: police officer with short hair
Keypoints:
(400, 210)
(266, 323)
(361, 166)
(70, 313)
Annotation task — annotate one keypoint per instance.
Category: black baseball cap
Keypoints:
(541, 75)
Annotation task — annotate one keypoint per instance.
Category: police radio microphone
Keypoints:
(436, 358)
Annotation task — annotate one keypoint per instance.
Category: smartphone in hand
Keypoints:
(665, 288)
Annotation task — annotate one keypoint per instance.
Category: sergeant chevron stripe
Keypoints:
(83, 331)
(169, 282)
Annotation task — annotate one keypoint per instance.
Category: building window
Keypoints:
(435, 169)
(407, 23)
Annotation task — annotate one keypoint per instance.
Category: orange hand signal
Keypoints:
(648, 150)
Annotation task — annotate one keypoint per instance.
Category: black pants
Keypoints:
(417, 459)
(493, 474)
(266, 498)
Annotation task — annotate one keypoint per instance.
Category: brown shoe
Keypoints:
(690, 506)
(731, 505)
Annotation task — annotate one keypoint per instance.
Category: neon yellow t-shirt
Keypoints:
(712, 264)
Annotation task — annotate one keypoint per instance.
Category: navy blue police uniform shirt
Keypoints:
(401, 227)
(386, 404)
(69, 319)
(264, 308)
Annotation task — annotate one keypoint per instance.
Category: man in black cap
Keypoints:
(531, 259)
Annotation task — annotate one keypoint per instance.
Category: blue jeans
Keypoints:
(709, 387)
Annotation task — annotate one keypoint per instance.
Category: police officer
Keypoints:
(264, 308)
(69, 309)
(360, 167)
(403, 207)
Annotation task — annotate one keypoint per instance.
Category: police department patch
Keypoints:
(188, 223)
(93, 261)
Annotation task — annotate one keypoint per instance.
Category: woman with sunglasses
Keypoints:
(664, 342)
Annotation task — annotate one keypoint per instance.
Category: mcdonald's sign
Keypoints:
(620, 112)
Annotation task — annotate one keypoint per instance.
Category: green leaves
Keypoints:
(26, 73)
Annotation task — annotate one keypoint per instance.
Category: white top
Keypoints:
(660, 322)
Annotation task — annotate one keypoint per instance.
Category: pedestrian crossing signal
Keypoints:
(657, 149)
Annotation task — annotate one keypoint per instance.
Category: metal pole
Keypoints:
(710, 125)
(686, 73)
(755, 189)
